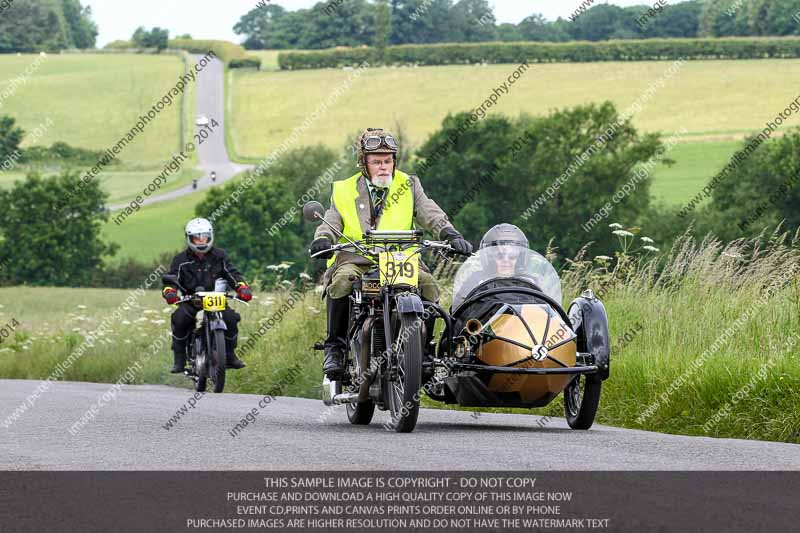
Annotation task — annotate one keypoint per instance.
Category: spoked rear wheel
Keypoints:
(402, 394)
(581, 398)
(360, 413)
(218, 360)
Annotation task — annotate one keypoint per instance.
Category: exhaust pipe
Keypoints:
(473, 327)
(332, 393)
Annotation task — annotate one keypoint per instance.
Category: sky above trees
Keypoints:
(207, 19)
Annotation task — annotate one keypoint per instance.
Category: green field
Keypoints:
(94, 99)
(153, 230)
(695, 164)
(122, 186)
(711, 99)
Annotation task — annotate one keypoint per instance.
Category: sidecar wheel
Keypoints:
(581, 398)
(360, 414)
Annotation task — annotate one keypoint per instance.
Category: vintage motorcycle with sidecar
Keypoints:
(507, 341)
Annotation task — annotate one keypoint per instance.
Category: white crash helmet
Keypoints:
(199, 227)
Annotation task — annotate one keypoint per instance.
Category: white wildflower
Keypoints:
(603, 258)
(648, 240)
(149, 311)
(158, 322)
(650, 248)
(305, 276)
(166, 310)
(615, 226)
(622, 233)
(81, 307)
(126, 322)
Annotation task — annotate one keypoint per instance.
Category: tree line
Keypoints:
(481, 173)
(395, 22)
(49, 25)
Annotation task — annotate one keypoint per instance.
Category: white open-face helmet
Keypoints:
(199, 235)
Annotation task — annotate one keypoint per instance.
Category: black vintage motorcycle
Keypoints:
(387, 361)
(205, 348)
(507, 340)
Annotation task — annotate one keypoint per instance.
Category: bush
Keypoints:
(63, 153)
(246, 62)
(543, 52)
(50, 230)
(129, 273)
(226, 51)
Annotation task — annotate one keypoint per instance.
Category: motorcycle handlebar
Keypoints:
(227, 296)
(436, 245)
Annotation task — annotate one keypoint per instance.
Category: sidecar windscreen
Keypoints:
(506, 265)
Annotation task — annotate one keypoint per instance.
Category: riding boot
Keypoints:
(231, 361)
(180, 361)
(336, 343)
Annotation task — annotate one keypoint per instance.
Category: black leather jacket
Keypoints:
(201, 271)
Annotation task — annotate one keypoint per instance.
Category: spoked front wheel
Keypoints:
(200, 370)
(581, 398)
(218, 360)
(402, 393)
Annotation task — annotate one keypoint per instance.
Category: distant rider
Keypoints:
(197, 268)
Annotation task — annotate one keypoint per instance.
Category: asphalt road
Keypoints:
(212, 154)
(128, 434)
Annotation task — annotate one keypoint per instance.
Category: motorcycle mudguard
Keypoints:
(590, 323)
(409, 304)
(218, 323)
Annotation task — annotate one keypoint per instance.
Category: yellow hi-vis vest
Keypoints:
(398, 210)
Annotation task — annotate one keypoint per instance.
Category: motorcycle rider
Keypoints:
(379, 197)
(200, 265)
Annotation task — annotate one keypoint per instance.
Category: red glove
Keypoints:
(170, 295)
(243, 292)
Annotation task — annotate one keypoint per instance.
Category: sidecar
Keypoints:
(510, 343)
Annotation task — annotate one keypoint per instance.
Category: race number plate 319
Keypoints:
(399, 268)
(214, 302)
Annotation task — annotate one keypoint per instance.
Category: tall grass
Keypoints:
(701, 336)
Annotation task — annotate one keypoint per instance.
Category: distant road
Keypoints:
(212, 154)
(288, 434)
